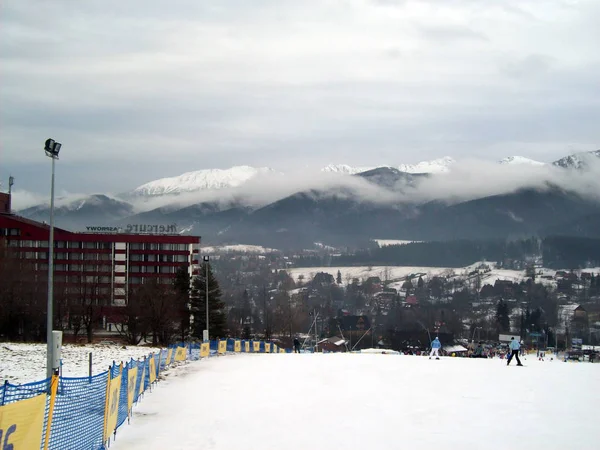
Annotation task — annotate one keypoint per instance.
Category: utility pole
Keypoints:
(206, 336)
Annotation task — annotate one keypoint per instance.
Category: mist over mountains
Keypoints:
(342, 205)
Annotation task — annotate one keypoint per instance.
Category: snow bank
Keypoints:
(25, 363)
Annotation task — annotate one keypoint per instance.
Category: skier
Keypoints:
(296, 345)
(514, 347)
(435, 348)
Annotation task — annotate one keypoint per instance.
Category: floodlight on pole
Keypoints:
(52, 149)
(11, 182)
(206, 335)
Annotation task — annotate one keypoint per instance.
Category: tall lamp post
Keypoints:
(52, 148)
(206, 259)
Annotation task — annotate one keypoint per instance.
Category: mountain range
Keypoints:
(348, 205)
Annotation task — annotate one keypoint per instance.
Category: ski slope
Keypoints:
(368, 401)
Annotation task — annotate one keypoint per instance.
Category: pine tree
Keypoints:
(502, 316)
(216, 308)
(339, 278)
(182, 286)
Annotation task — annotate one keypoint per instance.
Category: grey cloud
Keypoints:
(138, 91)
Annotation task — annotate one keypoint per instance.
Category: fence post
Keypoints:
(90, 366)
(104, 438)
(53, 390)
(4, 392)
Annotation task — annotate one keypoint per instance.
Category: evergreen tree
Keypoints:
(182, 286)
(216, 307)
(339, 278)
(502, 316)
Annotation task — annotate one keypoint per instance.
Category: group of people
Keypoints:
(514, 350)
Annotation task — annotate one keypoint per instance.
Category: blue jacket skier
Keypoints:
(435, 348)
(514, 346)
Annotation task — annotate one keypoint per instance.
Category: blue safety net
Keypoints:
(78, 419)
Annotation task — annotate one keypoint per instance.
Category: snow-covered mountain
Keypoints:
(345, 169)
(435, 166)
(578, 160)
(516, 160)
(209, 179)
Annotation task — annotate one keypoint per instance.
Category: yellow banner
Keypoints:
(143, 381)
(247, 346)
(22, 422)
(181, 354)
(131, 379)
(112, 404)
(152, 369)
(204, 350)
(222, 347)
(169, 356)
(267, 347)
(274, 348)
(256, 346)
(281, 350)
(237, 346)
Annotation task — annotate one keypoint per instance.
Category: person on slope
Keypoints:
(514, 348)
(435, 348)
(296, 345)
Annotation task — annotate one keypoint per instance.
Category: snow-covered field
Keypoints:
(25, 363)
(353, 401)
(236, 248)
(399, 273)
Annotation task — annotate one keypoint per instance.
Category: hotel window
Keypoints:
(136, 257)
(13, 243)
(27, 243)
(14, 232)
(75, 245)
(42, 255)
(90, 279)
(181, 258)
(90, 256)
(105, 245)
(60, 255)
(136, 246)
(75, 267)
(105, 256)
(64, 267)
(135, 280)
(75, 256)
(89, 245)
(134, 269)
(43, 266)
(165, 269)
(166, 246)
(151, 258)
(104, 279)
(42, 244)
(29, 255)
(152, 246)
(60, 244)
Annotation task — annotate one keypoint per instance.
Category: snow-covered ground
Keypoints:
(352, 401)
(236, 248)
(386, 242)
(25, 363)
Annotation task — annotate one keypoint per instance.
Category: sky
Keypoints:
(141, 90)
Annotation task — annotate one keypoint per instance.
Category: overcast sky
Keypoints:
(139, 90)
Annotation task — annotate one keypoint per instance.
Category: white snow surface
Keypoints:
(383, 272)
(236, 248)
(26, 363)
(387, 242)
(353, 401)
(520, 160)
(209, 179)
